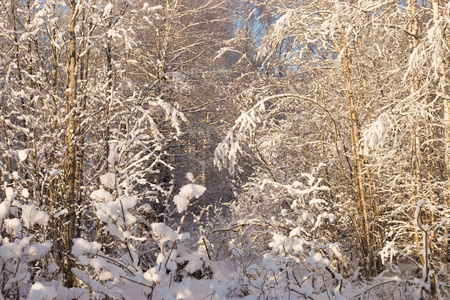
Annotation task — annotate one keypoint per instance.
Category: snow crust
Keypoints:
(186, 193)
(81, 246)
(190, 191)
(36, 251)
(181, 202)
(190, 176)
(108, 180)
(164, 231)
(41, 292)
(113, 155)
(101, 195)
(13, 226)
(10, 195)
(23, 155)
(25, 193)
(4, 209)
(31, 216)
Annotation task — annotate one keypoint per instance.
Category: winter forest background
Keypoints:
(209, 149)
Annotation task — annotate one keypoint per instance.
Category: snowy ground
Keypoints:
(189, 288)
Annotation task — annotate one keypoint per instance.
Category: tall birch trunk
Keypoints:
(413, 27)
(446, 102)
(444, 89)
(366, 239)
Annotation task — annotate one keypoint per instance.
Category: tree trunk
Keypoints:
(355, 134)
(70, 138)
(108, 96)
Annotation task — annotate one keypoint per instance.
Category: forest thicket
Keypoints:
(262, 149)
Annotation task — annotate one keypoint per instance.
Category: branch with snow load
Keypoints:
(227, 152)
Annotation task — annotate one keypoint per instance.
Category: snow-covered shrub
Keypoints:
(176, 262)
(22, 245)
(134, 252)
(415, 269)
(284, 242)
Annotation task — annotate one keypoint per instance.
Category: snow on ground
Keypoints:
(189, 289)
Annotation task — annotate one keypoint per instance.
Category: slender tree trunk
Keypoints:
(70, 136)
(83, 73)
(5, 139)
(413, 27)
(355, 134)
(53, 184)
(31, 106)
(18, 62)
(108, 98)
(445, 89)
